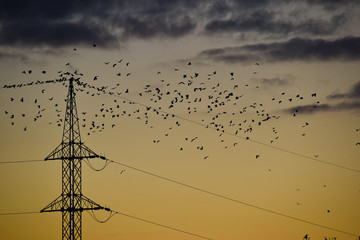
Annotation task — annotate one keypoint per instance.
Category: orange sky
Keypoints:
(276, 170)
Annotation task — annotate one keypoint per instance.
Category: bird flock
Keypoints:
(218, 104)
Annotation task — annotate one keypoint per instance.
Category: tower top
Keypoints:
(71, 145)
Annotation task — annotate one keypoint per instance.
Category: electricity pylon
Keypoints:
(71, 151)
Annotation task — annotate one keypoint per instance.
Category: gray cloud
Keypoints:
(276, 81)
(13, 55)
(310, 109)
(354, 92)
(296, 49)
(263, 21)
(111, 22)
(53, 34)
(158, 26)
(73, 22)
(332, 5)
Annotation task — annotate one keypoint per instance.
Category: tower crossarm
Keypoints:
(86, 204)
(61, 152)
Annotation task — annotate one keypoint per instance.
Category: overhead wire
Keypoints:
(162, 225)
(197, 189)
(203, 190)
(231, 134)
(231, 199)
(206, 126)
(112, 213)
(17, 213)
(23, 161)
(97, 169)
(92, 214)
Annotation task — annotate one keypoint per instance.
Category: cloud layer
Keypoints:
(310, 109)
(353, 93)
(109, 23)
(295, 49)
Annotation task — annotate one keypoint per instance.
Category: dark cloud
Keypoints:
(276, 81)
(73, 22)
(52, 23)
(13, 55)
(151, 27)
(107, 22)
(296, 49)
(354, 92)
(53, 34)
(310, 109)
(333, 5)
(264, 21)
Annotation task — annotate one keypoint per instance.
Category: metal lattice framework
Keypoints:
(71, 151)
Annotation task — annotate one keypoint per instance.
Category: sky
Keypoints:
(250, 108)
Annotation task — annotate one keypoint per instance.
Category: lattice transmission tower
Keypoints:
(71, 151)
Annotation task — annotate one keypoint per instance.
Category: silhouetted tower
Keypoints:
(71, 151)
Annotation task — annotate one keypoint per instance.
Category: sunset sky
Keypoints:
(252, 106)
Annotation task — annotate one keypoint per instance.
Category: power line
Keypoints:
(213, 128)
(197, 189)
(161, 225)
(232, 134)
(17, 213)
(24, 161)
(206, 191)
(127, 215)
(232, 199)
